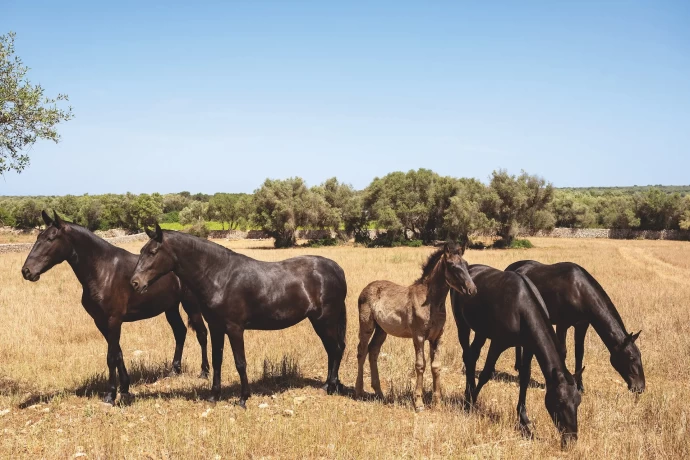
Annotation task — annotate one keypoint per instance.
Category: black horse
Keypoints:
(104, 272)
(574, 298)
(509, 310)
(239, 293)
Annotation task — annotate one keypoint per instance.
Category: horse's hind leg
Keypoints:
(495, 351)
(180, 332)
(374, 350)
(562, 334)
(331, 331)
(366, 328)
(217, 345)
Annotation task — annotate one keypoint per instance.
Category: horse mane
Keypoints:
(430, 264)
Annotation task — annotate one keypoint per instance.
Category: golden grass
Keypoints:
(52, 361)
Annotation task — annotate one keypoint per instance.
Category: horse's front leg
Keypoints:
(114, 359)
(236, 336)
(580, 333)
(419, 366)
(525, 376)
(435, 357)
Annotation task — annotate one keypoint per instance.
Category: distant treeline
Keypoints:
(420, 205)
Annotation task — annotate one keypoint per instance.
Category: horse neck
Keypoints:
(196, 271)
(436, 287)
(87, 248)
(606, 321)
(544, 346)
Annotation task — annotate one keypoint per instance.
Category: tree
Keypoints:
(658, 210)
(141, 210)
(197, 211)
(225, 208)
(519, 202)
(617, 211)
(402, 203)
(26, 115)
(464, 214)
(281, 206)
(336, 206)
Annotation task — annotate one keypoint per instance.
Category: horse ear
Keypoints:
(46, 218)
(634, 337)
(463, 248)
(58, 221)
(150, 233)
(158, 233)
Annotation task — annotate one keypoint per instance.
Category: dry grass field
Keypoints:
(52, 365)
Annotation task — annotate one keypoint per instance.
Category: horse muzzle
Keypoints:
(139, 287)
(26, 273)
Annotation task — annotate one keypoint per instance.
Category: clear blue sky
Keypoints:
(217, 96)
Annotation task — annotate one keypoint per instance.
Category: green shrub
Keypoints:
(198, 229)
(170, 217)
(514, 244)
(392, 240)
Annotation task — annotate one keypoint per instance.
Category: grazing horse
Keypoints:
(509, 310)
(104, 272)
(417, 312)
(574, 298)
(239, 293)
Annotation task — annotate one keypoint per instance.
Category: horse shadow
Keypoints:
(96, 385)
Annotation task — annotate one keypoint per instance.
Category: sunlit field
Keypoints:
(52, 367)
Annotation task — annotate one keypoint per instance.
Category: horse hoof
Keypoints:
(527, 430)
(419, 409)
(242, 403)
(213, 399)
(108, 399)
(126, 399)
(204, 375)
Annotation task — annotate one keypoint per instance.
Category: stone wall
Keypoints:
(613, 233)
(26, 247)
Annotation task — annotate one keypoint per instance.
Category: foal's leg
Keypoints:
(580, 332)
(217, 344)
(495, 350)
(525, 376)
(180, 333)
(435, 358)
(374, 350)
(236, 336)
(365, 331)
(419, 366)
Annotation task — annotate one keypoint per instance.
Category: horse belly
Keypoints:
(278, 316)
(392, 321)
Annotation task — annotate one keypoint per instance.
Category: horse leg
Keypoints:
(525, 376)
(217, 344)
(196, 322)
(114, 358)
(474, 352)
(435, 358)
(236, 336)
(561, 333)
(121, 369)
(374, 350)
(180, 333)
(333, 340)
(495, 351)
(518, 360)
(580, 332)
(419, 366)
(366, 329)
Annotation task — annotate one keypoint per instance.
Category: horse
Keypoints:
(509, 310)
(240, 293)
(104, 272)
(574, 298)
(417, 312)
